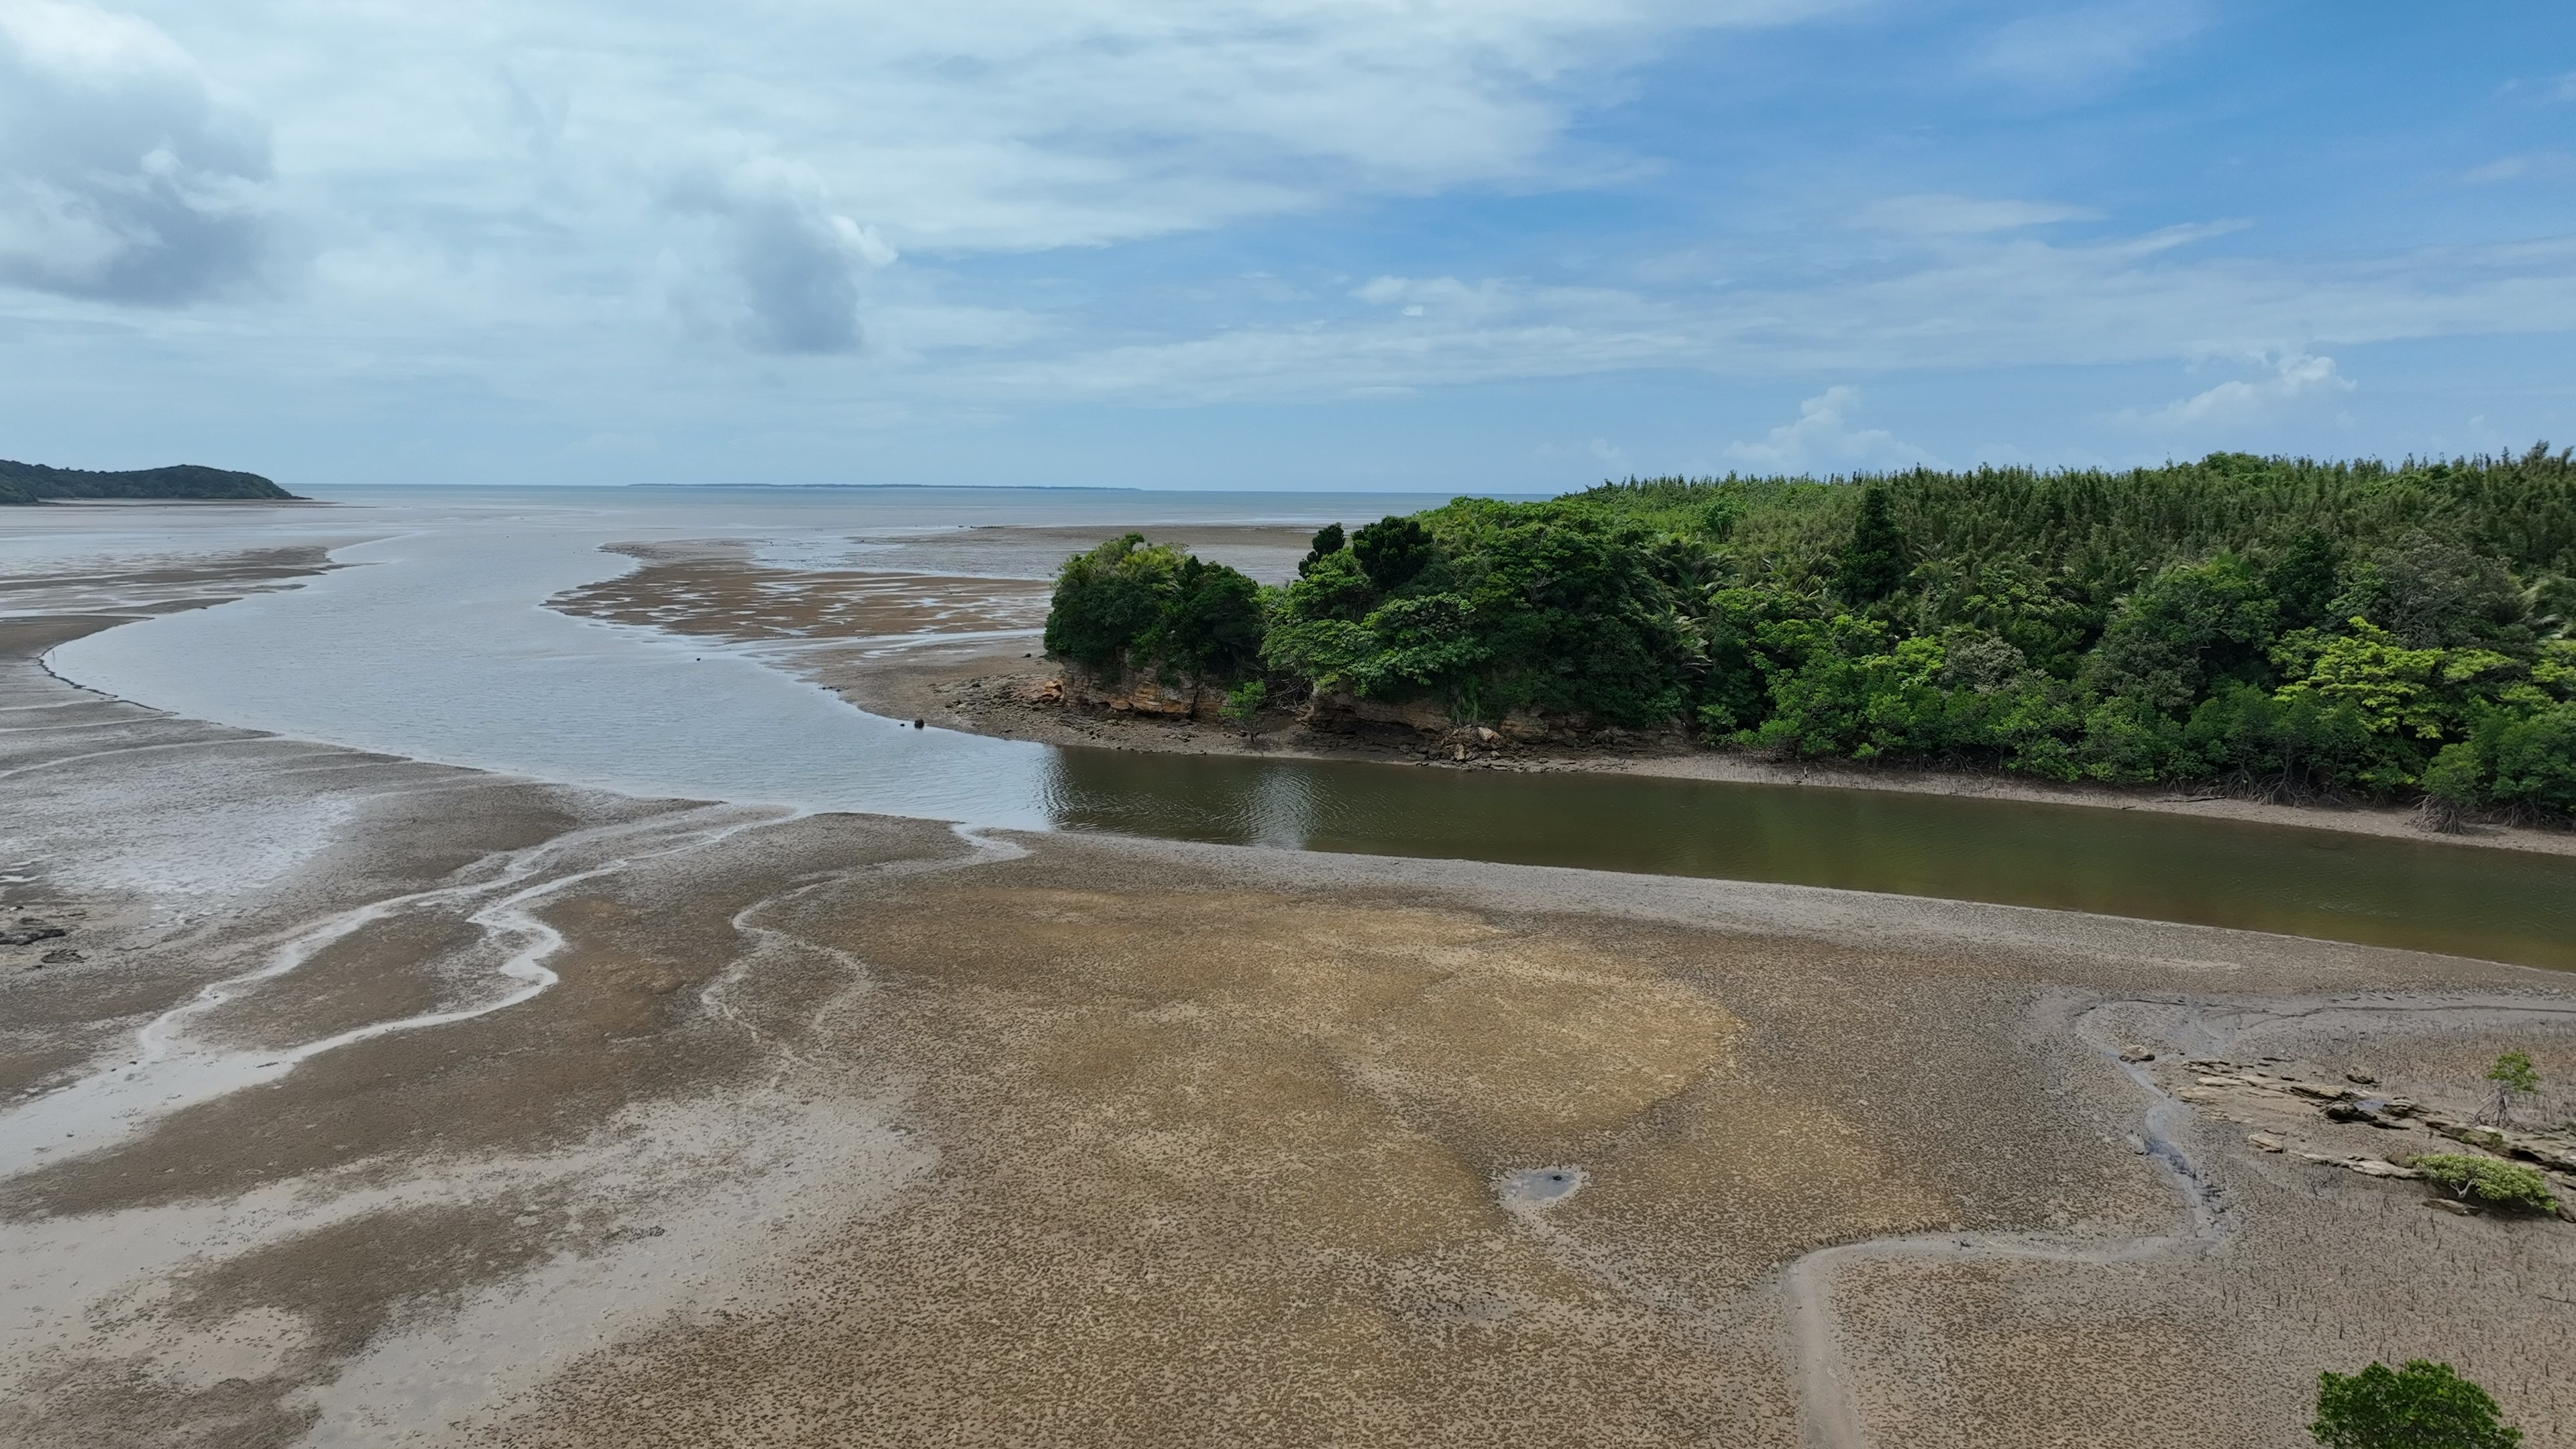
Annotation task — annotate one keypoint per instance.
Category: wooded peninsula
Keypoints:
(27, 483)
(2278, 626)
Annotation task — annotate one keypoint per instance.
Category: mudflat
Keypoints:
(393, 1103)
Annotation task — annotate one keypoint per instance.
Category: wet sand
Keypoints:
(649, 1122)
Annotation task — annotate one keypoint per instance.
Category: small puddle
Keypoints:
(1538, 1187)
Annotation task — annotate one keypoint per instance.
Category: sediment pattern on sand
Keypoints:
(599, 1121)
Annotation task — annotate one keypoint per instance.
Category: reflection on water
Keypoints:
(2504, 905)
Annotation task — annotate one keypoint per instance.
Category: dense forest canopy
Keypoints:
(2280, 623)
(34, 483)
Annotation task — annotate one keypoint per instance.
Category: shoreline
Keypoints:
(960, 649)
(843, 1130)
(985, 689)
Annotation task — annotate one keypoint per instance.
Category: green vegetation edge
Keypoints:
(2277, 625)
(28, 483)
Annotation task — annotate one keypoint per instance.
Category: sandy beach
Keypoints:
(388, 1103)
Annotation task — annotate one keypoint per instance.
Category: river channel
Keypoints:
(433, 642)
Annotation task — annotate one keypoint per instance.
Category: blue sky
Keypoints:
(1511, 245)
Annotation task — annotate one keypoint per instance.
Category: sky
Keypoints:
(1453, 245)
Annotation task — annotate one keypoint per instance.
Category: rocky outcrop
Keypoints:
(2280, 1103)
(1140, 694)
(1334, 712)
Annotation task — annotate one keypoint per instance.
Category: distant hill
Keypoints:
(34, 483)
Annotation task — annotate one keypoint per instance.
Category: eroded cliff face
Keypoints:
(1146, 696)
(1137, 694)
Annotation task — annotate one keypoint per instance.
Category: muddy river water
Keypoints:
(435, 643)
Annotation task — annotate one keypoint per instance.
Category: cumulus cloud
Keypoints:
(1937, 215)
(1824, 440)
(2296, 378)
(790, 264)
(122, 176)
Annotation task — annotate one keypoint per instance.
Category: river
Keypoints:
(435, 643)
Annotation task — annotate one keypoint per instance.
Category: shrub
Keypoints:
(2421, 1406)
(2487, 1180)
(1243, 706)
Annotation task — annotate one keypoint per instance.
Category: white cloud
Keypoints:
(1939, 215)
(1823, 440)
(2296, 378)
(1971, 302)
(791, 269)
(1423, 296)
(505, 165)
(987, 124)
(2067, 50)
(493, 200)
(122, 177)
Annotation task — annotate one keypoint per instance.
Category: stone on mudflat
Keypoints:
(2263, 1142)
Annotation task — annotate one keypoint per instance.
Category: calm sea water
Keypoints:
(436, 645)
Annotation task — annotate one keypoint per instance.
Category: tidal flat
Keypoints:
(400, 1103)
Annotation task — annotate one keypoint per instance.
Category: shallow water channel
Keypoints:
(435, 643)
(2502, 905)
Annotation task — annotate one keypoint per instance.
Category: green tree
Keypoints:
(1328, 540)
(2437, 594)
(1107, 600)
(2300, 576)
(2274, 624)
(1129, 604)
(2514, 1077)
(1873, 563)
(1243, 706)
(1392, 551)
(2421, 1406)
(2532, 757)
(2183, 630)
(1211, 624)
(2454, 784)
